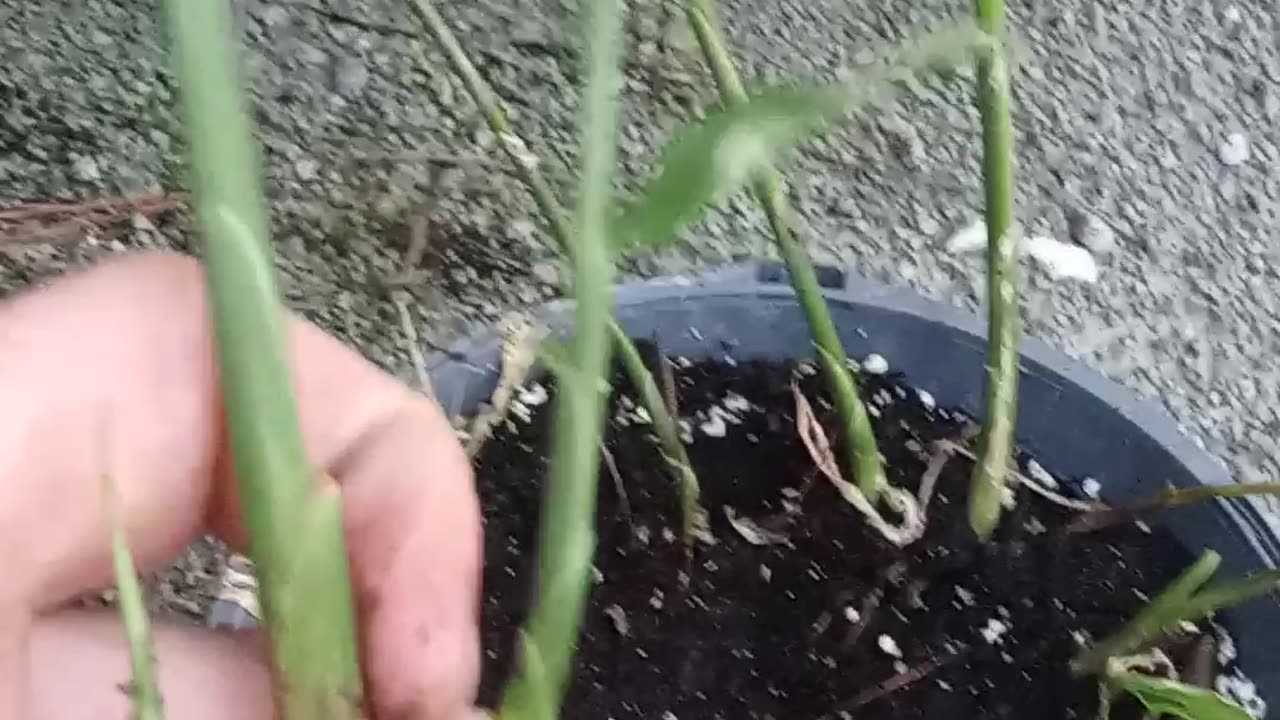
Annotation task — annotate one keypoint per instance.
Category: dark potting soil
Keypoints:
(832, 621)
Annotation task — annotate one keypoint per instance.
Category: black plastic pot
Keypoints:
(1074, 421)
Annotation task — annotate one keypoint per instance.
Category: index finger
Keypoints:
(129, 344)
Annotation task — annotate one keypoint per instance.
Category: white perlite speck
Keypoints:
(994, 632)
(1036, 472)
(736, 403)
(533, 395)
(619, 618)
(875, 364)
(1091, 487)
(714, 426)
(889, 646)
(851, 614)
(926, 399)
(965, 596)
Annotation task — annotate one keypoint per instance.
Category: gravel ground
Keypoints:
(1145, 127)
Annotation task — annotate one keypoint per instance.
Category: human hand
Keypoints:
(113, 371)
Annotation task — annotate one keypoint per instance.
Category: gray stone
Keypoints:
(306, 169)
(350, 76)
(85, 169)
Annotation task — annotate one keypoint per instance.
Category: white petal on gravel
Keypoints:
(1235, 151)
(875, 364)
(971, 238)
(1062, 260)
(889, 646)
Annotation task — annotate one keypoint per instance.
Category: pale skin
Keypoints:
(112, 370)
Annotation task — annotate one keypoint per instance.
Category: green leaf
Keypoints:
(1170, 697)
(710, 160)
(713, 159)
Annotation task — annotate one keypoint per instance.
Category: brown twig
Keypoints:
(938, 456)
(898, 682)
(624, 501)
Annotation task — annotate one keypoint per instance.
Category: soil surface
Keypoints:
(828, 620)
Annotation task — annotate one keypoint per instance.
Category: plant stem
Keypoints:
(517, 151)
(1003, 320)
(294, 522)
(1171, 498)
(1164, 610)
(566, 540)
(147, 703)
(666, 430)
(862, 457)
(1231, 593)
(526, 165)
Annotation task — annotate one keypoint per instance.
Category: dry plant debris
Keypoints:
(815, 440)
(42, 223)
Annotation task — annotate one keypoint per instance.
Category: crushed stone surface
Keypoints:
(1145, 132)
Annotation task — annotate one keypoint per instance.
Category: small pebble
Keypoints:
(926, 399)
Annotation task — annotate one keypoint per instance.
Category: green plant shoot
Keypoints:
(145, 693)
(294, 521)
(1164, 697)
(527, 165)
(566, 541)
(1004, 321)
(1185, 598)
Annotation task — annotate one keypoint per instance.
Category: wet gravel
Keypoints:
(1145, 131)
